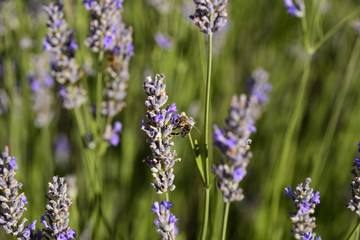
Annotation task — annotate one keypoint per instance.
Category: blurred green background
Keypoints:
(259, 34)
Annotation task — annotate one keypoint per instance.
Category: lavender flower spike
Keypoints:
(165, 220)
(108, 32)
(159, 126)
(210, 15)
(60, 42)
(234, 140)
(297, 9)
(354, 204)
(305, 201)
(12, 203)
(56, 219)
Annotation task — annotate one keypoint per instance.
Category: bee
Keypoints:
(112, 60)
(184, 123)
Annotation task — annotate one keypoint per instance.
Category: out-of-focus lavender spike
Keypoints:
(56, 218)
(234, 140)
(295, 8)
(11, 201)
(165, 220)
(356, 26)
(159, 125)
(304, 200)
(108, 32)
(354, 204)
(210, 15)
(162, 6)
(163, 41)
(4, 102)
(41, 84)
(61, 43)
(259, 86)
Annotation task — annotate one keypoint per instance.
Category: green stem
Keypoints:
(334, 30)
(286, 164)
(167, 197)
(99, 92)
(206, 213)
(353, 231)
(305, 34)
(206, 138)
(225, 220)
(339, 103)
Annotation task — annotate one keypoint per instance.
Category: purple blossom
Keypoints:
(165, 220)
(107, 42)
(297, 9)
(239, 174)
(163, 41)
(13, 165)
(354, 203)
(304, 200)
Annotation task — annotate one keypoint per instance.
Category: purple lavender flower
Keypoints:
(354, 204)
(41, 84)
(60, 41)
(305, 201)
(309, 236)
(259, 86)
(106, 25)
(210, 15)
(56, 219)
(12, 203)
(163, 41)
(159, 131)
(165, 220)
(297, 9)
(234, 142)
(111, 134)
(356, 26)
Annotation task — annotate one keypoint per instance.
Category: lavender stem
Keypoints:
(225, 220)
(206, 140)
(99, 91)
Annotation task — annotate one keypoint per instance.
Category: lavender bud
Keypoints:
(163, 41)
(12, 202)
(61, 43)
(304, 200)
(159, 125)
(41, 85)
(111, 134)
(56, 219)
(106, 25)
(354, 204)
(210, 15)
(165, 220)
(356, 26)
(234, 140)
(297, 9)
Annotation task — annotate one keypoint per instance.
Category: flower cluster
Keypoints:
(210, 15)
(41, 85)
(111, 134)
(297, 9)
(354, 204)
(159, 126)
(60, 42)
(108, 32)
(233, 141)
(310, 236)
(12, 202)
(304, 200)
(165, 221)
(56, 218)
